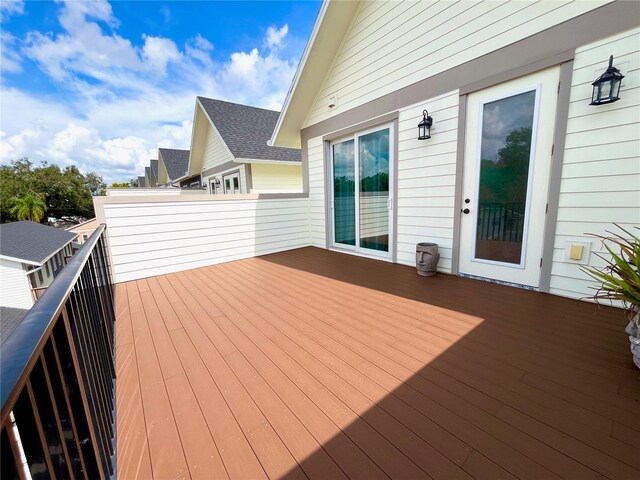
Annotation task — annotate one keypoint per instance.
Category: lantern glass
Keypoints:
(424, 127)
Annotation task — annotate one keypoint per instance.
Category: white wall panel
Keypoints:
(601, 172)
(155, 238)
(15, 290)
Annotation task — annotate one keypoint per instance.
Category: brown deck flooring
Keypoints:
(313, 364)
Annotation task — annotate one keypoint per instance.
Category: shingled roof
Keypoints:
(154, 169)
(10, 318)
(32, 242)
(246, 130)
(175, 161)
(141, 182)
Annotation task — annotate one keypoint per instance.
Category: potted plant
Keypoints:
(619, 280)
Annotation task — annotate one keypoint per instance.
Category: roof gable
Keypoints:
(332, 24)
(175, 161)
(32, 242)
(246, 130)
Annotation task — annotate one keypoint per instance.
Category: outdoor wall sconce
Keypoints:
(424, 127)
(606, 88)
(216, 181)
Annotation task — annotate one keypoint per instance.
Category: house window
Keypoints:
(40, 276)
(46, 268)
(232, 183)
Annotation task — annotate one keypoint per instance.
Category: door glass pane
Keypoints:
(373, 158)
(507, 126)
(227, 184)
(344, 192)
(236, 184)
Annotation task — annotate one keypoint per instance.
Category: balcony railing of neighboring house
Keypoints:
(58, 376)
(37, 292)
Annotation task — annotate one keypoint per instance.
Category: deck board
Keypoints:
(314, 364)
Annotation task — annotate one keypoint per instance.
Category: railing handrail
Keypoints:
(21, 350)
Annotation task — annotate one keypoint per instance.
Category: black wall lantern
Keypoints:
(606, 88)
(424, 127)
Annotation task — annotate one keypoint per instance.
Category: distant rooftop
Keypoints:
(175, 161)
(141, 182)
(246, 130)
(32, 242)
(154, 169)
(10, 318)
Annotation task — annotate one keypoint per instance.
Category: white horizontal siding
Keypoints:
(15, 290)
(148, 239)
(426, 179)
(276, 178)
(601, 173)
(391, 45)
(215, 151)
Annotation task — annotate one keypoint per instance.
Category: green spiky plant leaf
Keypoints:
(619, 279)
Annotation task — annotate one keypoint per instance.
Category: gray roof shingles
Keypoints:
(32, 241)
(10, 318)
(154, 169)
(175, 161)
(246, 130)
(141, 182)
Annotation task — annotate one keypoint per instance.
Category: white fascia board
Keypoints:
(193, 134)
(296, 77)
(267, 162)
(20, 260)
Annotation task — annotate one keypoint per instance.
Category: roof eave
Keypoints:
(267, 161)
(331, 24)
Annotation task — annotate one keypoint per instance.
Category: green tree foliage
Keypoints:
(67, 193)
(29, 207)
(505, 181)
(132, 183)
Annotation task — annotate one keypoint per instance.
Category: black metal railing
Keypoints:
(501, 221)
(57, 380)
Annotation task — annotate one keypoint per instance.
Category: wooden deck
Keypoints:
(313, 364)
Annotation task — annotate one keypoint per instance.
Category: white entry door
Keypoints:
(509, 138)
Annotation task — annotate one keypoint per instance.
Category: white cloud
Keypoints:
(124, 101)
(9, 57)
(275, 36)
(10, 7)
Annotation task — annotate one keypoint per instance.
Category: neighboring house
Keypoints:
(153, 165)
(83, 230)
(173, 166)
(31, 256)
(519, 166)
(142, 182)
(149, 178)
(230, 153)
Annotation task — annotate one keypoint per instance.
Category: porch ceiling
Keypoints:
(310, 363)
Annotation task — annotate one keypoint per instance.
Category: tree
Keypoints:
(29, 207)
(132, 183)
(67, 192)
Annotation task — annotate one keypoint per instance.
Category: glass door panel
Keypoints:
(505, 151)
(373, 163)
(344, 193)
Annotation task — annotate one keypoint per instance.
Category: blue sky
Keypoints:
(102, 85)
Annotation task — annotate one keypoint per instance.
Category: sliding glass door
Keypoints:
(361, 167)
